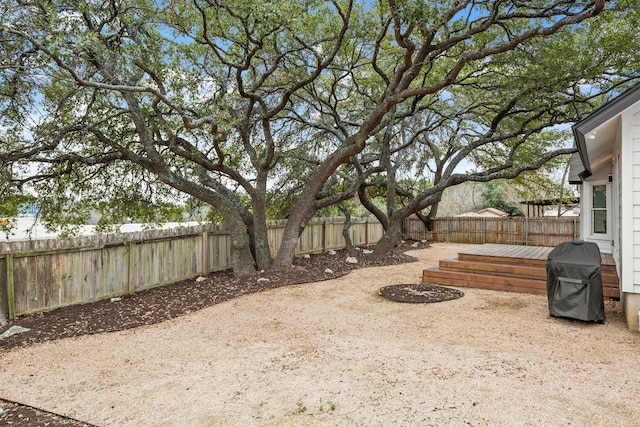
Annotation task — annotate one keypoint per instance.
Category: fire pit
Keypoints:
(419, 293)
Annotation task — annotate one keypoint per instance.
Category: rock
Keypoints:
(356, 248)
(263, 279)
(332, 252)
(351, 260)
(201, 279)
(115, 299)
(367, 251)
(415, 245)
(307, 256)
(403, 242)
(14, 330)
(328, 271)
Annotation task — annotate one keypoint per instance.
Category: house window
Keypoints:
(599, 209)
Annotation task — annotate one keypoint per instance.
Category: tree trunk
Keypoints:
(351, 250)
(241, 257)
(371, 207)
(427, 220)
(242, 261)
(261, 248)
(390, 239)
(564, 178)
(295, 222)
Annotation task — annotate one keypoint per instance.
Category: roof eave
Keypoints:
(580, 140)
(601, 115)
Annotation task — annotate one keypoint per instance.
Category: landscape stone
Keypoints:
(14, 330)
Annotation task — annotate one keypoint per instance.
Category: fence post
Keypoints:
(205, 253)
(526, 231)
(366, 231)
(484, 230)
(132, 269)
(447, 235)
(324, 235)
(11, 297)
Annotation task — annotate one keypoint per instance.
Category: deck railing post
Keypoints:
(526, 231)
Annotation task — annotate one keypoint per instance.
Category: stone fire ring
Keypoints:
(419, 293)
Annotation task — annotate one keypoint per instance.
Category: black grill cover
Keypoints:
(574, 281)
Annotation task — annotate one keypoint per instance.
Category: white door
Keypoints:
(597, 216)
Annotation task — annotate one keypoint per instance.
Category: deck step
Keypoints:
(508, 268)
(503, 260)
(483, 281)
(517, 269)
(498, 282)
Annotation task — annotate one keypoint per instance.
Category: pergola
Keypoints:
(535, 208)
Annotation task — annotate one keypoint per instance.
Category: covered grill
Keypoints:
(574, 281)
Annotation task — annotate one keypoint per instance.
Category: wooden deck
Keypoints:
(508, 268)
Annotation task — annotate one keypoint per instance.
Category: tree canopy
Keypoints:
(123, 108)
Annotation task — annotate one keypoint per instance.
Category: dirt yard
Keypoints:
(334, 353)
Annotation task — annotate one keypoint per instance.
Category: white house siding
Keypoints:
(631, 131)
(616, 195)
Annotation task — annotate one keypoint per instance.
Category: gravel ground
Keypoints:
(335, 353)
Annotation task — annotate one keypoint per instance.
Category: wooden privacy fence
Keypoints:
(518, 231)
(40, 275)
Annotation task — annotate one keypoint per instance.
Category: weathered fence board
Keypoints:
(219, 253)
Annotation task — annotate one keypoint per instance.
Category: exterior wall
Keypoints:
(630, 206)
(631, 310)
(630, 216)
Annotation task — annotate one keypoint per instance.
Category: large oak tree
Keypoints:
(120, 106)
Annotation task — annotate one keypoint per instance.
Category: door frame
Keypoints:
(604, 241)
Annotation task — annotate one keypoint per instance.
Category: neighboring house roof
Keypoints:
(597, 128)
(467, 214)
(491, 212)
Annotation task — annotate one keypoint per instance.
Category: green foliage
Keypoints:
(10, 205)
(133, 111)
(495, 196)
